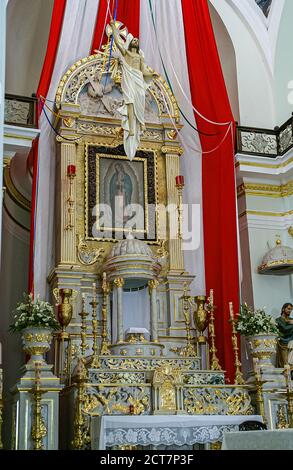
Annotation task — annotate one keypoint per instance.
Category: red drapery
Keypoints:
(209, 95)
(128, 12)
(44, 84)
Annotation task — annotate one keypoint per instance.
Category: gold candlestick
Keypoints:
(259, 390)
(80, 437)
(215, 365)
(287, 374)
(95, 363)
(38, 430)
(71, 174)
(239, 380)
(188, 350)
(180, 186)
(83, 314)
(106, 291)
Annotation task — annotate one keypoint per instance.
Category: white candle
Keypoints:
(231, 310)
(211, 297)
(0, 353)
(94, 289)
(256, 366)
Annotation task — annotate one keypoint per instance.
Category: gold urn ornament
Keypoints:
(201, 318)
(64, 297)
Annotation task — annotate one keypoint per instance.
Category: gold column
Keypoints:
(67, 234)
(175, 244)
(106, 291)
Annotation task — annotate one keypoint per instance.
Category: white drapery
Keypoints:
(171, 41)
(75, 43)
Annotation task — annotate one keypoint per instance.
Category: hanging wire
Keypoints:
(229, 124)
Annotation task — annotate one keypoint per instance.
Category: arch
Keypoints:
(228, 60)
(254, 69)
(284, 67)
(77, 76)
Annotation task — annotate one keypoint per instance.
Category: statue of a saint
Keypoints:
(136, 79)
(285, 342)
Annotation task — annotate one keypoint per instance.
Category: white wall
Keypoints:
(28, 23)
(254, 75)
(284, 66)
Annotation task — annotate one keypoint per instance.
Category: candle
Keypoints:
(211, 297)
(179, 180)
(231, 310)
(71, 170)
(94, 289)
(256, 366)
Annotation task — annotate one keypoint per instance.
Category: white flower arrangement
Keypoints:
(253, 322)
(34, 313)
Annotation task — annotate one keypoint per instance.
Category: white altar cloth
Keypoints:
(179, 430)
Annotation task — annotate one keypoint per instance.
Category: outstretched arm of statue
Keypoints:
(146, 71)
(117, 38)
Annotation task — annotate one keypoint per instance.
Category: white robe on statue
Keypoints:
(134, 87)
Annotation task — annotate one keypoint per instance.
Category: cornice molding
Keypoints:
(265, 190)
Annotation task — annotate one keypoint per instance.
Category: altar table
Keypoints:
(168, 430)
(259, 440)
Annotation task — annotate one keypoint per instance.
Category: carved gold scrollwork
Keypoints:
(86, 255)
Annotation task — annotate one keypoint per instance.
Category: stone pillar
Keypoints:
(153, 284)
(172, 155)
(2, 93)
(119, 283)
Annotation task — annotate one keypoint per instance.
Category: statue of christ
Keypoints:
(136, 79)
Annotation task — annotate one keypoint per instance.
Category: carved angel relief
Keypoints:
(87, 255)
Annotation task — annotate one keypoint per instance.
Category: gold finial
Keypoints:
(278, 241)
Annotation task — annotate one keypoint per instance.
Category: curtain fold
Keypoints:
(169, 40)
(44, 83)
(209, 95)
(74, 43)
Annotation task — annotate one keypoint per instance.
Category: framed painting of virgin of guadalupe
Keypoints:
(121, 194)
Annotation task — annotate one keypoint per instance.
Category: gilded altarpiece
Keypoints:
(106, 368)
